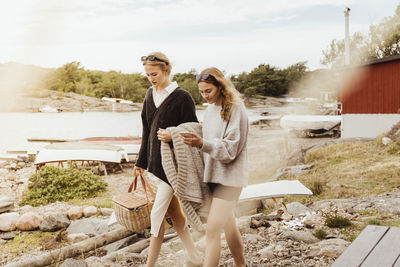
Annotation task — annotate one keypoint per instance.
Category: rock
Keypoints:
(11, 178)
(29, 221)
(73, 263)
(74, 238)
(303, 236)
(128, 257)
(97, 262)
(268, 252)
(89, 211)
(333, 247)
(8, 221)
(25, 209)
(291, 170)
(90, 226)
(7, 199)
(106, 211)
(7, 236)
(296, 208)
(54, 222)
(251, 238)
(243, 223)
(21, 165)
(386, 140)
(6, 206)
(12, 166)
(75, 213)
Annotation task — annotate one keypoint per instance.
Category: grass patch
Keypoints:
(320, 233)
(374, 222)
(26, 241)
(347, 170)
(104, 200)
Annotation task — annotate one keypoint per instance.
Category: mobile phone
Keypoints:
(187, 135)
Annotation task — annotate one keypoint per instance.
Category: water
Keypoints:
(17, 127)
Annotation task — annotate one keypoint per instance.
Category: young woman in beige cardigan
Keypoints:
(224, 146)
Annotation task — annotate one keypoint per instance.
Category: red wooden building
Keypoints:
(370, 97)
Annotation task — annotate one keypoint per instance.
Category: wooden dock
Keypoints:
(376, 246)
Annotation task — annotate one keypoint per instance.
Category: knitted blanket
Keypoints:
(184, 168)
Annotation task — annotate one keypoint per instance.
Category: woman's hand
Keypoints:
(137, 171)
(164, 135)
(192, 139)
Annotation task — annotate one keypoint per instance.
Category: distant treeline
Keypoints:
(264, 80)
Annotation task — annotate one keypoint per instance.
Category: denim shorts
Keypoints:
(230, 193)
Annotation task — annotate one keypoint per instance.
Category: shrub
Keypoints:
(320, 233)
(317, 187)
(337, 221)
(374, 222)
(51, 184)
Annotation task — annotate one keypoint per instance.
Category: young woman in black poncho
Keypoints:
(165, 105)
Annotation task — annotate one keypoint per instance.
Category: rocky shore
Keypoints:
(45, 100)
(297, 235)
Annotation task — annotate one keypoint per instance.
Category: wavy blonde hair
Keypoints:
(164, 66)
(230, 96)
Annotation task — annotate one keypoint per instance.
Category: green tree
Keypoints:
(382, 40)
(188, 82)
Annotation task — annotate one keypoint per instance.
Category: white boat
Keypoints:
(76, 151)
(309, 122)
(49, 109)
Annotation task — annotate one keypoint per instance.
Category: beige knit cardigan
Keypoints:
(184, 168)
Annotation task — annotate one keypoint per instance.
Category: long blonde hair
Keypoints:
(230, 96)
(165, 64)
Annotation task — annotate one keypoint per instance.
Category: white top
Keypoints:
(225, 146)
(159, 97)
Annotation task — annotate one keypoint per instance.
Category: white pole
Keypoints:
(346, 37)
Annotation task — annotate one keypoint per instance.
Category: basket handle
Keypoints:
(144, 184)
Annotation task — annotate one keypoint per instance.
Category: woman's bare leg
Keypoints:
(179, 222)
(234, 240)
(221, 212)
(155, 247)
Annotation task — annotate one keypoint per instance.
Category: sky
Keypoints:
(233, 35)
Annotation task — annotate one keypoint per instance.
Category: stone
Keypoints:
(303, 236)
(8, 221)
(386, 140)
(74, 238)
(89, 211)
(106, 211)
(292, 170)
(75, 213)
(296, 208)
(73, 263)
(90, 226)
(268, 252)
(333, 247)
(7, 236)
(6, 206)
(29, 221)
(96, 262)
(251, 238)
(243, 222)
(7, 199)
(54, 221)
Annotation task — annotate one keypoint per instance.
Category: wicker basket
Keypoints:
(132, 209)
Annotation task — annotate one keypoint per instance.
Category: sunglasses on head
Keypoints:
(205, 77)
(153, 58)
